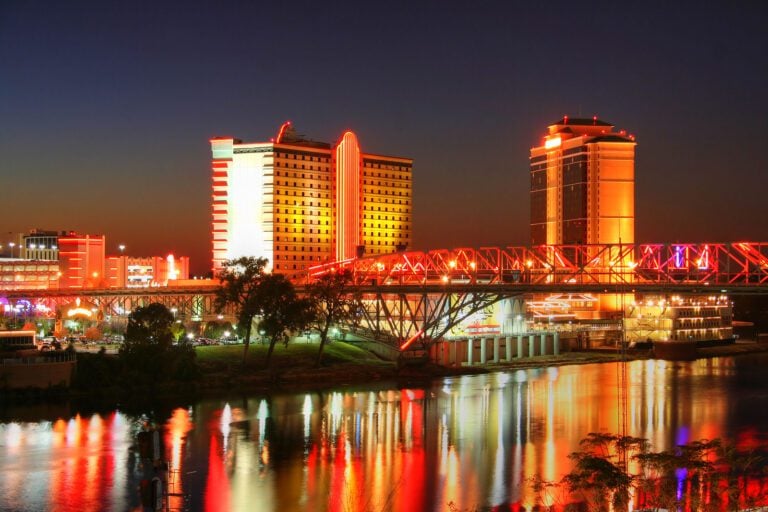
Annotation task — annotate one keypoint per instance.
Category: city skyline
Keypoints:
(109, 110)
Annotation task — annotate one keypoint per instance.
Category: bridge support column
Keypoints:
(519, 353)
(470, 350)
(508, 348)
(483, 347)
(531, 345)
(556, 344)
(496, 349)
(543, 344)
(452, 353)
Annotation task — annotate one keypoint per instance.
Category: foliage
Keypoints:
(599, 476)
(95, 371)
(282, 311)
(711, 472)
(239, 284)
(92, 334)
(148, 355)
(216, 330)
(333, 303)
(178, 330)
(150, 325)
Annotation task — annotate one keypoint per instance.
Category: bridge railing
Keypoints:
(742, 263)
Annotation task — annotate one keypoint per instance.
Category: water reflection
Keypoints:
(472, 441)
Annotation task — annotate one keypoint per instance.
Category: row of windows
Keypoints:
(372, 165)
(404, 177)
(296, 156)
(303, 194)
(277, 229)
(311, 185)
(386, 235)
(303, 221)
(384, 192)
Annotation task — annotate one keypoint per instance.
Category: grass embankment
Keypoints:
(291, 366)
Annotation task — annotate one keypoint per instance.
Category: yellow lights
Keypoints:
(528, 263)
(452, 264)
(444, 279)
(472, 265)
(554, 142)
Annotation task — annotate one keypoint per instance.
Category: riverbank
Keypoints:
(346, 365)
(293, 368)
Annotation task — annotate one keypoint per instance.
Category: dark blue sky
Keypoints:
(106, 108)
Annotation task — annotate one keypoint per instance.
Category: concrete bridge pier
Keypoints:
(556, 343)
(508, 348)
(543, 344)
(519, 353)
(470, 350)
(483, 350)
(531, 345)
(495, 349)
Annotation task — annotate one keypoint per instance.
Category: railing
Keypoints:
(58, 358)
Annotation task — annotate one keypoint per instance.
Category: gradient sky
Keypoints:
(106, 108)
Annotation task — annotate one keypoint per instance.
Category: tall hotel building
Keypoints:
(583, 185)
(299, 202)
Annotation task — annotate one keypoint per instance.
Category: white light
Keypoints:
(552, 143)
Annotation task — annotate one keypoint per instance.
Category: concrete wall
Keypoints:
(36, 375)
(493, 349)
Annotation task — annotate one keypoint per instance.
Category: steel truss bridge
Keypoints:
(417, 297)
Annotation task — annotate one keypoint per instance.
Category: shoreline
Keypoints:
(218, 381)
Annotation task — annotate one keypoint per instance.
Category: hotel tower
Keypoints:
(299, 202)
(583, 184)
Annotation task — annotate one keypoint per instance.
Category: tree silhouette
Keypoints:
(282, 311)
(333, 303)
(239, 287)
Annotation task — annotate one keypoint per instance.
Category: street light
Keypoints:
(12, 245)
(122, 248)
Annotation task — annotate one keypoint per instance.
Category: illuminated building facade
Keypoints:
(16, 274)
(81, 261)
(136, 272)
(679, 318)
(583, 184)
(40, 245)
(299, 202)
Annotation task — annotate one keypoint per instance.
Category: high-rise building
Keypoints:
(299, 202)
(583, 184)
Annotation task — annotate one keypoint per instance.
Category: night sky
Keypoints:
(106, 108)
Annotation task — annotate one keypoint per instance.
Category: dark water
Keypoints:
(465, 443)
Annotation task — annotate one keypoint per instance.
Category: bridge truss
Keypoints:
(419, 296)
(415, 296)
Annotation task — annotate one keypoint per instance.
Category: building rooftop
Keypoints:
(582, 121)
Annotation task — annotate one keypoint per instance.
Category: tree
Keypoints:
(150, 325)
(333, 302)
(148, 354)
(239, 284)
(599, 475)
(282, 311)
(93, 334)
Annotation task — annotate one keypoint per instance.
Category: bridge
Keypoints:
(418, 297)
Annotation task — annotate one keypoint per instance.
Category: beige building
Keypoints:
(583, 184)
(299, 202)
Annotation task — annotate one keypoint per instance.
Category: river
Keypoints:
(463, 443)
